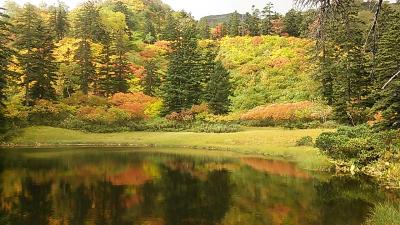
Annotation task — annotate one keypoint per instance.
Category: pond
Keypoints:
(121, 186)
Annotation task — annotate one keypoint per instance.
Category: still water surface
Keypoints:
(127, 187)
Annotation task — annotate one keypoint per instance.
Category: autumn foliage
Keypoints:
(287, 112)
(136, 104)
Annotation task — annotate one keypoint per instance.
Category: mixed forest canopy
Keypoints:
(108, 62)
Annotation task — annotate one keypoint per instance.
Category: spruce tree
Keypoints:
(59, 21)
(218, 89)
(208, 53)
(121, 46)
(204, 29)
(388, 64)
(182, 85)
(170, 33)
(351, 81)
(150, 35)
(5, 55)
(267, 17)
(35, 43)
(233, 24)
(87, 29)
(292, 22)
(254, 24)
(151, 81)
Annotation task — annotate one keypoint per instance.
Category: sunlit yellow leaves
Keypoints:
(113, 22)
(136, 5)
(65, 49)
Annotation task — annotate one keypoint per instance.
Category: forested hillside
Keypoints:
(104, 63)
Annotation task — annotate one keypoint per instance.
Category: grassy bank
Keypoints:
(270, 142)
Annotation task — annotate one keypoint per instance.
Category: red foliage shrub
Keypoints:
(138, 71)
(133, 103)
(257, 40)
(302, 111)
(183, 116)
(188, 114)
(279, 62)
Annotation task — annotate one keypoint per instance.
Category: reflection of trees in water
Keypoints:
(112, 190)
(345, 200)
(80, 195)
(188, 200)
(34, 204)
(3, 215)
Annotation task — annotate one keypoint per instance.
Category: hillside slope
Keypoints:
(268, 69)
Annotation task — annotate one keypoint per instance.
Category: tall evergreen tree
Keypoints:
(151, 82)
(254, 25)
(87, 29)
(35, 43)
(388, 64)
(170, 33)
(121, 46)
(218, 89)
(292, 22)
(345, 80)
(204, 29)
(114, 63)
(267, 17)
(150, 35)
(233, 24)
(182, 85)
(59, 21)
(208, 53)
(5, 55)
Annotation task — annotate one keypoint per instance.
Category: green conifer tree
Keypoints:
(218, 89)
(204, 29)
(58, 21)
(182, 85)
(5, 55)
(292, 23)
(267, 17)
(388, 64)
(233, 24)
(87, 29)
(151, 81)
(35, 43)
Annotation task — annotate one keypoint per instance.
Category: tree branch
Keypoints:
(390, 80)
(375, 23)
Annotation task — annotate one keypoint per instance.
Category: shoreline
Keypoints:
(272, 143)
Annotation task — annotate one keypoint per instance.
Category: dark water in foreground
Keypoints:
(120, 187)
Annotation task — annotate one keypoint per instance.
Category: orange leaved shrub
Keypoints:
(133, 103)
(287, 112)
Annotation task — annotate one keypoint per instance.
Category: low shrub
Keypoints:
(305, 141)
(103, 116)
(291, 115)
(197, 112)
(80, 99)
(45, 112)
(162, 124)
(215, 128)
(138, 105)
(360, 145)
(75, 123)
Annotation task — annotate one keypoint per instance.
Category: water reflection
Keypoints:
(103, 187)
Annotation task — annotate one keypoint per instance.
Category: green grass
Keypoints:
(385, 214)
(269, 142)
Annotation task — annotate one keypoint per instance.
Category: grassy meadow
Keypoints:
(269, 142)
